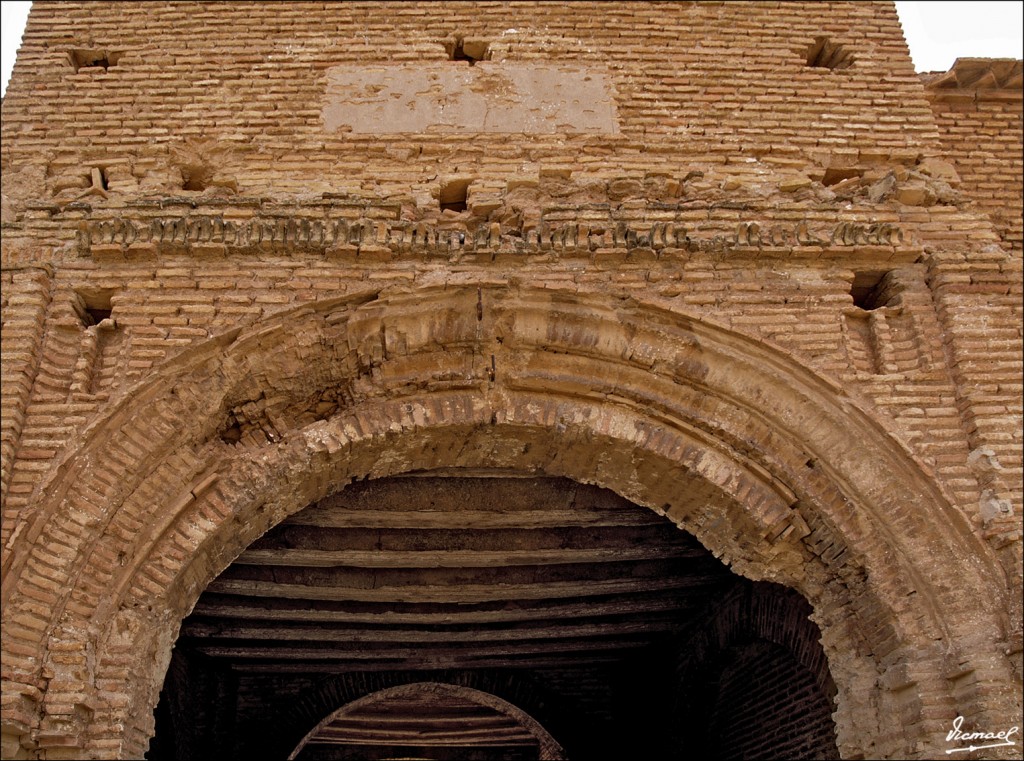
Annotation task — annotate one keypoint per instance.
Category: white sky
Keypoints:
(937, 32)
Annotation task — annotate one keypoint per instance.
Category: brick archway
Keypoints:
(314, 706)
(549, 749)
(770, 466)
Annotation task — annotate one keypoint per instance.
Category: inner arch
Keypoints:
(430, 720)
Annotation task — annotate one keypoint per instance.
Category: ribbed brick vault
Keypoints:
(774, 470)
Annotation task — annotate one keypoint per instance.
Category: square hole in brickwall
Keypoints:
(195, 177)
(453, 195)
(823, 53)
(96, 304)
(870, 289)
(835, 175)
(82, 58)
(461, 49)
(98, 177)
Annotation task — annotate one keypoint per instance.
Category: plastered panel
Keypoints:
(487, 97)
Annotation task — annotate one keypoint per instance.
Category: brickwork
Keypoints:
(977, 107)
(24, 301)
(266, 98)
(762, 279)
(801, 725)
(755, 681)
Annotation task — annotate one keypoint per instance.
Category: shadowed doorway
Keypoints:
(581, 611)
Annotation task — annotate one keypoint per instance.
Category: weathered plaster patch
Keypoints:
(488, 97)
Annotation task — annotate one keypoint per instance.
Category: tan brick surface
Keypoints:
(795, 289)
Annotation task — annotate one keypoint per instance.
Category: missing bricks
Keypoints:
(870, 290)
(453, 195)
(472, 51)
(85, 58)
(825, 54)
(97, 306)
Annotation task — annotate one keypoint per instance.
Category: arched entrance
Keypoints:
(773, 469)
(565, 599)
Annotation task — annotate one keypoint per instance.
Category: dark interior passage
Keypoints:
(598, 620)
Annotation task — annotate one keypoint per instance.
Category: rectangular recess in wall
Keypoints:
(492, 96)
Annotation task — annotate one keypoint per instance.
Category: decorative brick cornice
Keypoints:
(980, 78)
(573, 233)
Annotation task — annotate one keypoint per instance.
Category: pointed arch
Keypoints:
(774, 468)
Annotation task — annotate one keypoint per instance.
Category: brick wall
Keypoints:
(799, 724)
(978, 110)
(24, 300)
(753, 682)
(176, 172)
(250, 118)
(240, 97)
(977, 107)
